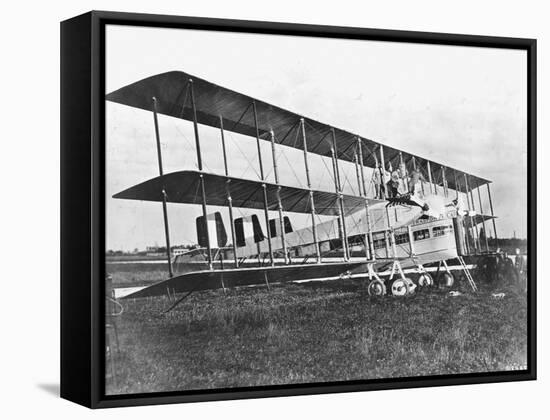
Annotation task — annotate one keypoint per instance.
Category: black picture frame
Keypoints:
(83, 203)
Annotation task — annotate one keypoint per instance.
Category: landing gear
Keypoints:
(376, 288)
(446, 281)
(376, 285)
(403, 285)
(398, 284)
(410, 284)
(425, 280)
(400, 287)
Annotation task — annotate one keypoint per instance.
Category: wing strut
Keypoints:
(338, 187)
(492, 214)
(483, 220)
(201, 177)
(368, 237)
(279, 203)
(445, 184)
(466, 227)
(229, 198)
(164, 207)
(264, 186)
(312, 201)
(471, 199)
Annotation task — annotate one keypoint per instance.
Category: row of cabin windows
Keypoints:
(442, 230)
(401, 237)
(421, 234)
(379, 240)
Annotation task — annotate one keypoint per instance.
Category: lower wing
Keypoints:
(216, 279)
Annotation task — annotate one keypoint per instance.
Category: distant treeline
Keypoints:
(158, 250)
(509, 244)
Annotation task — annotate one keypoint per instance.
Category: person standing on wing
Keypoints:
(403, 178)
(415, 186)
(393, 185)
(378, 180)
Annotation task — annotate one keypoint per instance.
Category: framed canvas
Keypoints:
(256, 209)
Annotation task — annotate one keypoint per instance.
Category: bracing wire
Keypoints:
(250, 164)
(293, 171)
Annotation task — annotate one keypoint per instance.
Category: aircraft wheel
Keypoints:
(447, 280)
(376, 288)
(410, 285)
(425, 280)
(399, 287)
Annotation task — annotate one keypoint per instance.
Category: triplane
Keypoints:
(419, 216)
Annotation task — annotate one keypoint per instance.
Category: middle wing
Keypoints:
(184, 187)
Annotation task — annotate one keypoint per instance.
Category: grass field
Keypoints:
(312, 332)
(129, 273)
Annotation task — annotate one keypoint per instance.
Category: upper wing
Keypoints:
(213, 101)
(184, 187)
(480, 218)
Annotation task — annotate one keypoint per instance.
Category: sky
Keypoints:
(465, 107)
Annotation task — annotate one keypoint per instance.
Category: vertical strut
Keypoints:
(383, 172)
(312, 201)
(360, 152)
(468, 189)
(339, 210)
(466, 192)
(411, 240)
(359, 185)
(279, 203)
(338, 186)
(456, 183)
(482, 218)
(421, 178)
(387, 239)
(264, 187)
(492, 214)
(369, 248)
(466, 240)
(229, 199)
(164, 207)
(432, 186)
(383, 177)
(201, 177)
(403, 175)
(445, 185)
(357, 173)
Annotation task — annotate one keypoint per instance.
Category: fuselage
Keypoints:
(404, 232)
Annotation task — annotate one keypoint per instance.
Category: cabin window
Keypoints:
(421, 234)
(442, 230)
(401, 238)
(379, 241)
